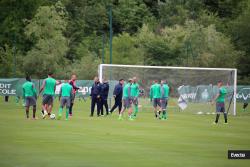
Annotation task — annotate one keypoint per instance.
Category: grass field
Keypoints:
(183, 140)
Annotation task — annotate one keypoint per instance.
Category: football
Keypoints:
(52, 116)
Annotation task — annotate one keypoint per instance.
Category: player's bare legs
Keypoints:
(34, 112)
(50, 109)
(157, 111)
(27, 112)
(121, 113)
(44, 110)
(130, 111)
(45, 107)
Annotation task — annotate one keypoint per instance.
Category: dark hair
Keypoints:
(121, 80)
(50, 73)
(28, 78)
(220, 81)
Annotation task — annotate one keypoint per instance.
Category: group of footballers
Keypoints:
(66, 96)
(126, 97)
(159, 94)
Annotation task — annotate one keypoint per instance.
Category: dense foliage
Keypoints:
(72, 36)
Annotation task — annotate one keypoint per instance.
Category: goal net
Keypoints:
(194, 87)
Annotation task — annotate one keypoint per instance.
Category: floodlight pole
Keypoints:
(110, 34)
(110, 44)
(14, 55)
(103, 50)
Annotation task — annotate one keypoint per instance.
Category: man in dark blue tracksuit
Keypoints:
(95, 97)
(104, 96)
(118, 96)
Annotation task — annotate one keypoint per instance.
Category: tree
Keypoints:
(160, 49)
(241, 37)
(125, 50)
(47, 36)
(86, 68)
(13, 14)
(224, 9)
(129, 15)
(46, 31)
(6, 61)
(188, 45)
(92, 43)
(210, 48)
(178, 11)
(88, 19)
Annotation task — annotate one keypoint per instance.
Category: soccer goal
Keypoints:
(195, 86)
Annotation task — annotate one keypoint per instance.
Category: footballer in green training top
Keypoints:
(48, 88)
(30, 96)
(164, 98)
(220, 102)
(65, 96)
(134, 96)
(155, 95)
(126, 99)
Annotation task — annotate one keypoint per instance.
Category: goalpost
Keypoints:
(197, 86)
